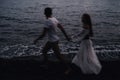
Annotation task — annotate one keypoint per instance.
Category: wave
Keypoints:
(107, 52)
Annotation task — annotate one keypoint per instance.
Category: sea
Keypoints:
(22, 21)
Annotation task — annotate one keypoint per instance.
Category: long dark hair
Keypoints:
(87, 21)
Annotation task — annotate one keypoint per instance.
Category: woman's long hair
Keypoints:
(87, 21)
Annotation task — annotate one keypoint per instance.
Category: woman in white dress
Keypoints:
(86, 57)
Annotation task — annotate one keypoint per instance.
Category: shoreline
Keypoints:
(32, 68)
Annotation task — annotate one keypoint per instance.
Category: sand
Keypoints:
(32, 68)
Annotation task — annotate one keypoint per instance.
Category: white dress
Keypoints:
(86, 58)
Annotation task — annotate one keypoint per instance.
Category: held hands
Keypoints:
(69, 39)
(74, 38)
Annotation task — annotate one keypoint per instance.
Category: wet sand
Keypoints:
(30, 68)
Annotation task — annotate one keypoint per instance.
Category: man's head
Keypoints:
(48, 12)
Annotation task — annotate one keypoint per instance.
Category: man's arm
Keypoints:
(41, 36)
(62, 29)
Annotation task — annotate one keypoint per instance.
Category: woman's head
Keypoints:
(86, 20)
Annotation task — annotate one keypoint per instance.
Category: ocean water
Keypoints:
(21, 21)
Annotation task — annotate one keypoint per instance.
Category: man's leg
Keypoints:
(56, 50)
(46, 48)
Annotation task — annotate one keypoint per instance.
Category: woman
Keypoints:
(86, 58)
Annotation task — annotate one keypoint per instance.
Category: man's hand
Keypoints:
(69, 39)
(35, 41)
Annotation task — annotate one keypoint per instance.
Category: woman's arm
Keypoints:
(81, 35)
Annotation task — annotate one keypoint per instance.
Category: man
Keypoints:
(50, 29)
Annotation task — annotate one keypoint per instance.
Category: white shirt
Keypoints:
(51, 25)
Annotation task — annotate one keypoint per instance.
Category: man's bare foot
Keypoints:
(67, 71)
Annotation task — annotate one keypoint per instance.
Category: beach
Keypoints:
(32, 68)
(22, 21)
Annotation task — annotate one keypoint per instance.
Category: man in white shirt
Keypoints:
(50, 29)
